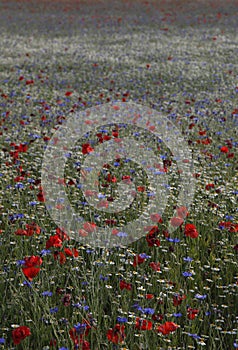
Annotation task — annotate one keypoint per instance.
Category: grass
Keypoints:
(187, 71)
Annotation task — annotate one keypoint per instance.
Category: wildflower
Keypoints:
(53, 241)
(190, 231)
(209, 186)
(122, 319)
(155, 266)
(156, 218)
(182, 212)
(176, 221)
(192, 313)
(86, 148)
(125, 285)
(66, 299)
(224, 149)
(20, 333)
(117, 334)
(61, 256)
(151, 237)
(177, 299)
(143, 325)
(187, 274)
(167, 328)
(74, 252)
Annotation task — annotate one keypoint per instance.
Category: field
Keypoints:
(176, 286)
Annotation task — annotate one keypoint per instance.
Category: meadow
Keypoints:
(164, 291)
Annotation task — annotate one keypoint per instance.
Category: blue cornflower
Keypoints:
(46, 294)
(122, 319)
(20, 262)
(27, 283)
(174, 240)
(147, 310)
(53, 310)
(144, 256)
(19, 185)
(178, 314)
(200, 297)
(33, 203)
(188, 259)
(195, 336)
(2, 341)
(122, 234)
(45, 252)
(187, 274)
(103, 278)
(80, 327)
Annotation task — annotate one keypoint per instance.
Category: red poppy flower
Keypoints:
(141, 188)
(21, 232)
(224, 149)
(125, 285)
(89, 227)
(151, 237)
(155, 266)
(182, 212)
(138, 260)
(32, 261)
(61, 256)
(62, 234)
(30, 272)
(54, 241)
(209, 186)
(72, 252)
(192, 313)
(20, 333)
(149, 296)
(110, 178)
(177, 299)
(40, 196)
(32, 228)
(86, 148)
(230, 226)
(167, 328)
(176, 221)
(191, 231)
(66, 299)
(143, 325)
(116, 335)
(77, 338)
(156, 218)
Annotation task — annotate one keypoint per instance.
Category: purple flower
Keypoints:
(122, 319)
(187, 274)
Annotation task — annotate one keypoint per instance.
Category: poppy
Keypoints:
(192, 313)
(20, 333)
(125, 285)
(155, 266)
(177, 299)
(30, 272)
(176, 221)
(224, 149)
(54, 241)
(143, 325)
(117, 334)
(167, 328)
(191, 231)
(138, 260)
(86, 148)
